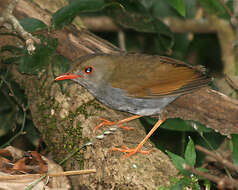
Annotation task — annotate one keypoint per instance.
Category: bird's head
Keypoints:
(91, 71)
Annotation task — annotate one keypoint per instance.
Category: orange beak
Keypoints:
(68, 76)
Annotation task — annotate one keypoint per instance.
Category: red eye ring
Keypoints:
(88, 70)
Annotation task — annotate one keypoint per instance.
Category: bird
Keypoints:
(140, 84)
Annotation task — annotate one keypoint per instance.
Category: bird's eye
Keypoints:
(88, 70)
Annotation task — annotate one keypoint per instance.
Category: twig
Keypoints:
(234, 21)
(226, 36)
(100, 23)
(20, 132)
(101, 136)
(5, 75)
(11, 91)
(220, 159)
(73, 153)
(89, 143)
(221, 182)
(20, 105)
(231, 82)
(32, 185)
(68, 173)
(8, 17)
(121, 37)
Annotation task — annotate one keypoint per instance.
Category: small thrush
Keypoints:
(136, 83)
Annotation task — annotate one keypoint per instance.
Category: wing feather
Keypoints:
(144, 76)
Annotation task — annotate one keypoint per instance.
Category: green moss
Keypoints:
(83, 108)
(61, 135)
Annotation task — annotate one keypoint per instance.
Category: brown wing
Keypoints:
(155, 76)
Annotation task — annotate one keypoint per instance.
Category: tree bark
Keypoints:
(209, 107)
(66, 120)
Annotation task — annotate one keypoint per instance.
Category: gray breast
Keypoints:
(115, 98)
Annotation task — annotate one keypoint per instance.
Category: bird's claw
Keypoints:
(126, 128)
(129, 152)
(104, 122)
(110, 123)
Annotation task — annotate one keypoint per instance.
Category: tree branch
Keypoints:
(66, 121)
(209, 107)
(218, 158)
(104, 23)
(77, 113)
(7, 16)
(221, 182)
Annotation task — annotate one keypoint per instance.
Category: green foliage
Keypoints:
(16, 52)
(234, 138)
(190, 158)
(143, 18)
(178, 5)
(182, 184)
(32, 24)
(214, 7)
(12, 112)
(15, 117)
(39, 61)
(8, 113)
(139, 15)
(190, 154)
(209, 51)
(11, 49)
(60, 65)
(181, 45)
(179, 125)
(190, 8)
(188, 180)
(160, 9)
(134, 15)
(66, 14)
(44, 55)
(178, 161)
(171, 8)
(178, 130)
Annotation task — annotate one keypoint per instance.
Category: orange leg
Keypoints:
(126, 127)
(119, 123)
(130, 152)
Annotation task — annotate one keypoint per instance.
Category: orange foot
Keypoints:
(131, 151)
(126, 128)
(103, 123)
(119, 123)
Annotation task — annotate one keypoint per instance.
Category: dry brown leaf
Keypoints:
(41, 162)
(28, 163)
